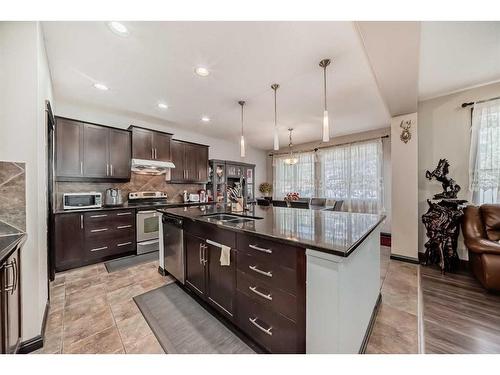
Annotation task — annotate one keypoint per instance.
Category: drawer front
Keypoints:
(222, 236)
(273, 298)
(284, 255)
(99, 248)
(268, 272)
(109, 219)
(273, 331)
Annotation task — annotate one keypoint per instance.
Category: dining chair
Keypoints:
(299, 204)
(321, 202)
(263, 202)
(279, 203)
(338, 205)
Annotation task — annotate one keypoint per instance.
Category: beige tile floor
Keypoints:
(93, 311)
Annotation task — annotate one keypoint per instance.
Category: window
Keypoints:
(351, 173)
(484, 162)
(294, 178)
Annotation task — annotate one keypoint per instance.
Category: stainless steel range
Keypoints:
(147, 218)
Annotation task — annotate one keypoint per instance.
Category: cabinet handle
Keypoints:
(123, 244)
(156, 154)
(123, 213)
(201, 260)
(261, 249)
(205, 260)
(123, 226)
(81, 221)
(152, 153)
(111, 167)
(268, 273)
(103, 215)
(107, 169)
(9, 288)
(98, 230)
(99, 248)
(268, 296)
(268, 331)
(16, 275)
(81, 167)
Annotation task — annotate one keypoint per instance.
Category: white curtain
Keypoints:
(353, 173)
(484, 156)
(293, 178)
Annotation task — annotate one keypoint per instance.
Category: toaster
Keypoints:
(194, 197)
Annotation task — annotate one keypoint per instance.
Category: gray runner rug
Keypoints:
(133, 260)
(181, 325)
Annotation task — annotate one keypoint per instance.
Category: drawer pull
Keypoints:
(99, 230)
(268, 331)
(123, 244)
(123, 226)
(99, 248)
(103, 215)
(261, 249)
(265, 273)
(266, 296)
(123, 213)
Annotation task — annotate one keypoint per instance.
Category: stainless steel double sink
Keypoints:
(228, 218)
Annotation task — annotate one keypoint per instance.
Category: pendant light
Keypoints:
(326, 128)
(242, 140)
(291, 159)
(275, 87)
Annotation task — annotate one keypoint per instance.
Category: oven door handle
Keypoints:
(147, 212)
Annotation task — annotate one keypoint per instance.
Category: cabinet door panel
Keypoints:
(13, 303)
(119, 153)
(161, 145)
(95, 151)
(202, 163)
(195, 267)
(68, 240)
(221, 281)
(190, 159)
(178, 172)
(142, 144)
(69, 148)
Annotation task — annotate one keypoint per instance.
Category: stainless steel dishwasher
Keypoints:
(172, 244)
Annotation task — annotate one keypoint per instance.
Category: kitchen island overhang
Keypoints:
(334, 259)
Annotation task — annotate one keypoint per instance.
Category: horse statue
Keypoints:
(450, 187)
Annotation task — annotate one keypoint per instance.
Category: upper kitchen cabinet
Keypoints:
(150, 145)
(87, 151)
(191, 162)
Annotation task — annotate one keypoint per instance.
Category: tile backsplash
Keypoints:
(13, 194)
(137, 183)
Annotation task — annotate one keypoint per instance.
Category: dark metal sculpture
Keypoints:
(450, 187)
(442, 221)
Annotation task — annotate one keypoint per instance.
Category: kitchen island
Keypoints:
(298, 280)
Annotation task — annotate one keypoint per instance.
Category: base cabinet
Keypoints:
(262, 291)
(10, 303)
(92, 237)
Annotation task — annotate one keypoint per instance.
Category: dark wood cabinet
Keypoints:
(191, 162)
(221, 280)
(10, 302)
(87, 151)
(150, 144)
(92, 237)
(195, 264)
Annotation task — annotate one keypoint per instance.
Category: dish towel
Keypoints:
(225, 255)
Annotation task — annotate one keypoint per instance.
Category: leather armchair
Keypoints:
(481, 229)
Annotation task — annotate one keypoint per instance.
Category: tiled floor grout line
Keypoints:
(116, 324)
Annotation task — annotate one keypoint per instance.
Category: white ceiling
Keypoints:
(458, 55)
(156, 63)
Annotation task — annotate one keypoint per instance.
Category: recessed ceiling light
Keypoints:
(205, 119)
(118, 28)
(101, 86)
(162, 106)
(201, 71)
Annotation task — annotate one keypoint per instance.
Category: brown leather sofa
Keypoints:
(481, 229)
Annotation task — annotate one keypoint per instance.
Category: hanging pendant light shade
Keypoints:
(326, 126)
(242, 140)
(276, 142)
(291, 159)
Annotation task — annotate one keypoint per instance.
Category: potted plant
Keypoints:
(266, 189)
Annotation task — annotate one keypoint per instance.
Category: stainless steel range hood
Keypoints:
(151, 167)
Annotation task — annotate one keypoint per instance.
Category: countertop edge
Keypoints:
(113, 208)
(5, 252)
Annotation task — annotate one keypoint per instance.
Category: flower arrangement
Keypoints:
(292, 196)
(266, 188)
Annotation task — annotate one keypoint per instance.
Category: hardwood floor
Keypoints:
(459, 315)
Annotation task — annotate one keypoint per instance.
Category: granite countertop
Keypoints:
(10, 237)
(128, 205)
(333, 232)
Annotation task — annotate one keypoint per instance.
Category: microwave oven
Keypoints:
(74, 201)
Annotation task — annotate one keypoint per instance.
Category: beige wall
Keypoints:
(355, 137)
(25, 83)
(404, 189)
(444, 132)
(219, 148)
